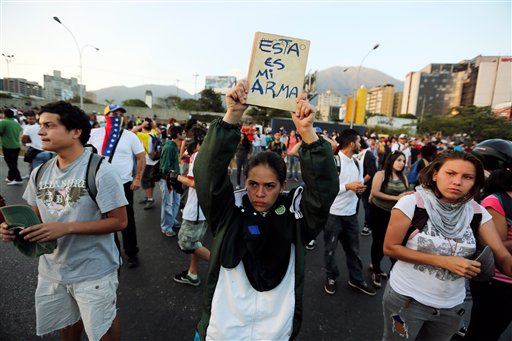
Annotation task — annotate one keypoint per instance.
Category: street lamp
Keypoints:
(8, 59)
(195, 85)
(80, 52)
(354, 106)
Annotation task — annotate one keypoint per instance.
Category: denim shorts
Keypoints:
(62, 305)
(191, 235)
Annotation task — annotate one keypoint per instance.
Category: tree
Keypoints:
(169, 101)
(188, 104)
(76, 99)
(110, 101)
(134, 102)
(210, 101)
(265, 115)
(479, 123)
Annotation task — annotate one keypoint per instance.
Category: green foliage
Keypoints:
(188, 104)
(169, 101)
(265, 115)
(2, 95)
(478, 122)
(210, 101)
(76, 99)
(134, 102)
(408, 116)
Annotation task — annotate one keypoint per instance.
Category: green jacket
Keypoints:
(215, 193)
(10, 131)
(169, 160)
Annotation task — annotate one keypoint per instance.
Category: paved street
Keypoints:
(153, 307)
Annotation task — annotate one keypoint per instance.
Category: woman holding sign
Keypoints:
(256, 272)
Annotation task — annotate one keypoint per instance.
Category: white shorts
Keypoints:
(62, 305)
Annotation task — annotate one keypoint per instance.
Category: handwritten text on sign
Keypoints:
(277, 69)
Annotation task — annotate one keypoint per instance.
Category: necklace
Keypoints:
(452, 250)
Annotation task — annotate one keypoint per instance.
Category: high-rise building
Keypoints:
(326, 101)
(380, 100)
(148, 98)
(21, 86)
(437, 88)
(360, 105)
(397, 103)
(57, 88)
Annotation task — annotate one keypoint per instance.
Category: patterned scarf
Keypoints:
(451, 220)
(112, 131)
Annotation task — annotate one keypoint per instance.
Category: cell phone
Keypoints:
(16, 229)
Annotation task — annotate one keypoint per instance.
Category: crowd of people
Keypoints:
(420, 197)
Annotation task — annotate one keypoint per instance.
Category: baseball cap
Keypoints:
(318, 130)
(113, 107)
(19, 217)
(402, 136)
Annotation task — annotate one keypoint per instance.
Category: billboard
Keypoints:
(220, 84)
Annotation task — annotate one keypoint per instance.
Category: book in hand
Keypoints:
(276, 71)
(19, 217)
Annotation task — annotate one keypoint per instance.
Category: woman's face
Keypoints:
(455, 179)
(399, 164)
(263, 187)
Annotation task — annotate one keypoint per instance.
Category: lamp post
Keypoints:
(354, 106)
(80, 52)
(195, 85)
(8, 59)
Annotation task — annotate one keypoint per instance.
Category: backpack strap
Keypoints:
(477, 218)
(505, 202)
(41, 170)
(90, 177)
(115, 146)
(419, 219)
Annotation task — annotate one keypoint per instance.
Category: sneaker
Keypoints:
(330, 286)
(382, 274)
(311, 245)
(184, 278)
(376, 281)
(366, 231)
(14, 182)
(170, 234)
(145, 200)
(149, 204)
(133, 262)
(462, 331)
(363, 287)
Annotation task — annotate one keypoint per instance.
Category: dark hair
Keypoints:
(429, 152)
(9, 113)
(174, 131)
(29, 113)
(197, 133)
(190, 123)
(270, 159)
(245, 141)
(426, 174)
(500, 180)
(364, 144)
(346, 137)
(388, 168)
(71, 117)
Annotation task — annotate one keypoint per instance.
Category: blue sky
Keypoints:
(160, 42)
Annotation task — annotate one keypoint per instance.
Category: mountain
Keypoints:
(121, 93)
(344, 80)
(334, 78)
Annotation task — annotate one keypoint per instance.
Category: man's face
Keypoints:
(357, 146)
(54, 135)
(116, 113)
(30, 120)
(277, 136)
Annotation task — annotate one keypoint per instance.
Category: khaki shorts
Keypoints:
(191, 235)
(62, 305)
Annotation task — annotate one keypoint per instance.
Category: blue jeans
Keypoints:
(406, 318)
(293, 163)
(344, 229)
(170, 207)
(40, 158)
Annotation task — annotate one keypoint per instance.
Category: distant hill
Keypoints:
(334, 78)
(345, 82)
(121, 93)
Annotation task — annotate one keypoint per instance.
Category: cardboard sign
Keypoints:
(276, 72)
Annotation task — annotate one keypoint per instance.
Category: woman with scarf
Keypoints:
(424, 296)
(256, 269)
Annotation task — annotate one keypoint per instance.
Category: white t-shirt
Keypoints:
(432, 286)
(345, 203)
(32, 132)
(124, 155)
(190, 212)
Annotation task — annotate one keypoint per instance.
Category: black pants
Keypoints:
(241, 162)
(129, 233)
(379, 221)
(492, 310)
(11, 159)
